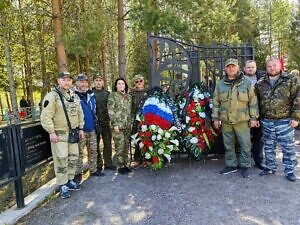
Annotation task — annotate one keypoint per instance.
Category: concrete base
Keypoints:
(12, 215)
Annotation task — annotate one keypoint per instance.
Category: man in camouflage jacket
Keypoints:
(138, 99)
(235, 107)
(278, 96)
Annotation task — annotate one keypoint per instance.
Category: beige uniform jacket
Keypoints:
(53, 117)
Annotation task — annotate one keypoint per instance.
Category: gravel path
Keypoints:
(186, 192)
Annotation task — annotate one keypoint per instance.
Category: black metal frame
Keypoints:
(200, 63)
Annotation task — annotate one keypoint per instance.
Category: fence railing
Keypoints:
(25, 114)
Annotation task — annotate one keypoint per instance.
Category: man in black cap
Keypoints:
(88, 104)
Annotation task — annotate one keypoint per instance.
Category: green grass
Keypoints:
(31, 182)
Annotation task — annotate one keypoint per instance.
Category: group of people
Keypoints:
(267, 107)
(93, 114)
(245, 105)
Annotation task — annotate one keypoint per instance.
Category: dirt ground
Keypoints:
(185, 192)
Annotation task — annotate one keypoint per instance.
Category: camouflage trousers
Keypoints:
(65, 157)
(239, 132)
(279, 131)
(107, 149)
(121, 141)
(90, 142)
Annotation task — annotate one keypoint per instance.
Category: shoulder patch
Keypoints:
(46, 103)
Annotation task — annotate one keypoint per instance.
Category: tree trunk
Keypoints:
(77, 61)
(12, 89)
(113, 70)
(45, 78)
(61, 56)
(28, 68)
(87, 64)
(103, 63)
(23, 83)
(121, 40)
(1, 108)
(270, 29)
(7, 101)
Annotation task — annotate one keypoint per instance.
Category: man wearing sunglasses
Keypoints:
(138, 94)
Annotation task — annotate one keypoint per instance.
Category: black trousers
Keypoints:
(257, 144)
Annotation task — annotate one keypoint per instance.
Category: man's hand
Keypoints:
(53, 137)
(116, 129)
(217, 124)
(294, 123)
(254, 123)
(81, 134)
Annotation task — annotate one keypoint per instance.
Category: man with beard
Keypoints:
(278, 96)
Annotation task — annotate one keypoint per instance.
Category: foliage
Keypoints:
(294, 42)
(90, 29)
(157, 18)
(137, 54)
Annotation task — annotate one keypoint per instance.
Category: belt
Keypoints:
(273, 118)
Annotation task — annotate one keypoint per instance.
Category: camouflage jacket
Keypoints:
(101, 104)
(119, 109)
(235, 101)
(53, 118)
(280, 101)
(138, 99)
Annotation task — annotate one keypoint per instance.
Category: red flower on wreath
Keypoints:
(194, 119)
(147, 143)
(148, 134)
(195, 132)
(202, 103)
(155, 159)
(193, 114)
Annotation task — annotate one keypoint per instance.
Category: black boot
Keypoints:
(78, 178)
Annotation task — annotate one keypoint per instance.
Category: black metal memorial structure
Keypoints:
(170, 59)
(194, 63)
(22, 148)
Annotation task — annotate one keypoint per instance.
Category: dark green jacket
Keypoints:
(138, 99)
(235, 102)
(280, 101)
(101, 104)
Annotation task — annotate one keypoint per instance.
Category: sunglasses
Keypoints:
(139, 81)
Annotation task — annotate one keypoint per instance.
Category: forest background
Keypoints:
(39, 38)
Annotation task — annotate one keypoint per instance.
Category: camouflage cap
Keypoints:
(97, 75)
(64, 74)
(82, 77)
(231, 61)
(138, 77)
